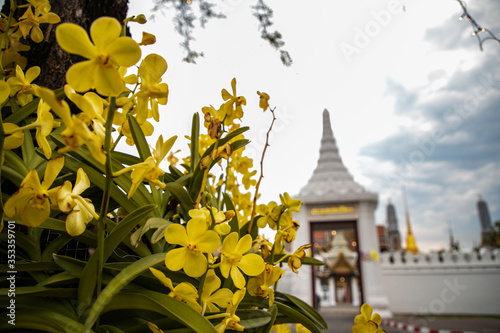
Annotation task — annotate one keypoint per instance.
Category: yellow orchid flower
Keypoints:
(149, 169)
(29, 23)
(212, 295)
(291, 204)
(14, 136)
(184, 291)
(77, 132)
(263, 245)
(221, 217)
(365, 322)
(233, 106)
(294, 261)
(232, 320)
(4, 91)
(151, 91)
(269, 214)
(20, 85)
(301, 328)
(69, 200)
(92, 107)
(234, 259)
(195, 239)
(154, 328)
(32, 198)
(281, 328)
(107, 52)
(260, 285)
(45, 123)
(263, 101)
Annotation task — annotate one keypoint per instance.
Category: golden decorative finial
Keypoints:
(411, 244)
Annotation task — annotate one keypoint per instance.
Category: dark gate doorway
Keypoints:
(339, 280)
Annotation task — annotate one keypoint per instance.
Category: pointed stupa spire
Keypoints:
(331, 180)
(411, 244)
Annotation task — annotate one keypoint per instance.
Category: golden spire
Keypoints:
(411, 244)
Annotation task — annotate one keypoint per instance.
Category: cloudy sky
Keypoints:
(412, 99)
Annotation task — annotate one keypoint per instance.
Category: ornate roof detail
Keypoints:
(331, 181)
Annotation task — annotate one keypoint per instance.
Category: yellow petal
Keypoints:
(237, 277)
(4, 91)
(125, 51)
(176, 259)
(74, 39)
(14, 140)
(34, 216)
(32, 73)
(195, 265)
(75, 223)
(244, 244)
(18, 201)
(152, 68)
(52, 171)
(195, 228)
(229, 243)
(176, 234)
(163, 279)
(208, 242)
(222, 297)
(108, 81)
(59, 106)
(82, 182)
(81, 76)
(105, 30)
(225, 266)
(252, 264)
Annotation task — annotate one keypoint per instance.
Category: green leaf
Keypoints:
(139, 138)
(86, 237)
(44, 321)
(124, 158)
(253, 318)
(234, 224)
(273, 311)
(70, 265)
(54, 246)
(41, 291)
(12, 160)
(88, 278)
(151, 223)
(28, 266)
(22, 113)
(297, 317)
(13, 175)
(120, 281)
(195, 139)
(30, 158)
(306, 309)
(163, 304)
(181, 195)
(56, 279)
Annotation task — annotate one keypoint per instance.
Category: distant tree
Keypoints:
(493, 239)
(48, 55)
(185, 17)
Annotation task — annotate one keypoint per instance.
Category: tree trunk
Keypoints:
(53, 61)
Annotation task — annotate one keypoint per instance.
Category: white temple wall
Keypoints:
(371, 275)
(457, 284)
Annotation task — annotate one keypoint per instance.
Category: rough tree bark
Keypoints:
(53, 61)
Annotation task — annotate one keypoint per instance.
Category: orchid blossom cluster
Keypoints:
(195, 231)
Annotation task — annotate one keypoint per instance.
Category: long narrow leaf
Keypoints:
(163, 304)
(181, 195)
(120, 281)
(88, 278)
(297, 317)
(139, 138)
(195, 138)
(306, 309)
